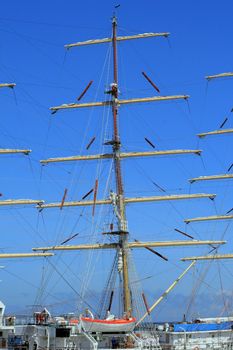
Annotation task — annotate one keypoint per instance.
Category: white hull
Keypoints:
(45, 337)
(199, 340)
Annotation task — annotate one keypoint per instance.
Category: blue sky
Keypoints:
(32, 55)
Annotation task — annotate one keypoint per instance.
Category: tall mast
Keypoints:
(117, 198)
(122, 225)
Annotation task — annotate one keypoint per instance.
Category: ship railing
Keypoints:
(18, 320)
(226, 344)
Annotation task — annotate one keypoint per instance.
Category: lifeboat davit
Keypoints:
(90, 324)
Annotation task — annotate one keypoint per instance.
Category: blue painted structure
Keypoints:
(201, 327)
